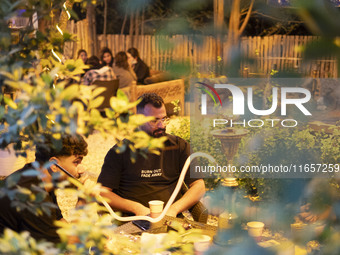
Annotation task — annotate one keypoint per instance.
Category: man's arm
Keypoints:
(191, 197)
(124, 205)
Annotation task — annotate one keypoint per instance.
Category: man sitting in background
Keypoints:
(131, 185)
(69, 156)
(97, 72)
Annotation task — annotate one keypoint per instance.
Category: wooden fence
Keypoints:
(279, 52)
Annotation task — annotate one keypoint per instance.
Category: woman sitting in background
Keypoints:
(82, 54)
(123, 70)
(106, 57)
(141, 69)
(97, 72)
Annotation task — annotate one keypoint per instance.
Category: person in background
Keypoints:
(67, 156)
(82, 54)
(97, 72)
(106, 57)
(130, 185)
(141, 69)
(123, 70)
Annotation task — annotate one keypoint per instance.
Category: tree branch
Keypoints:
(278, 19)
(246, 19)
(124, 22)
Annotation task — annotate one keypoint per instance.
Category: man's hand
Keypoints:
(191, 197)
(306, 215)
(140, 210)
(172, 212)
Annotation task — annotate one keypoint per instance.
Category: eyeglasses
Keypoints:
(156, 121)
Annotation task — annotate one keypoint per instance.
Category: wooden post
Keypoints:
(92, 33)
(218, 25)
(105, 23)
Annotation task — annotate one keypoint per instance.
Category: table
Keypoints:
(162, 227)
(130, 229)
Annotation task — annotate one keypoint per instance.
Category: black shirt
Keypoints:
(151, 178)
(41, 226)
(142, 71)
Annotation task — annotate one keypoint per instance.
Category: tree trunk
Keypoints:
(218, 15)
(218, 26)
(105, 23)
(137, 24)
(232, 50)
(132, 23)
(92, 34)
(142, 21)
(124, 22)
(64, 16)
(142, 27)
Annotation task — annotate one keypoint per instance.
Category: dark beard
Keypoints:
(158, 132)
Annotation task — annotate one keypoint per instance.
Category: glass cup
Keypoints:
(299, 231)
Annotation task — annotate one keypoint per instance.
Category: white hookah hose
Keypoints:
(172, 197)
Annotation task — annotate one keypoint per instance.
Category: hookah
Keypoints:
(170, 201)
(172, 197)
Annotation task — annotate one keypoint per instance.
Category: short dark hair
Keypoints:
(134, 52)
(93, 62)
(149, 98)
(67, 145)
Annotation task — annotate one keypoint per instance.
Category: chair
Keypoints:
(168, 90)
(199, 212)
(111, 90)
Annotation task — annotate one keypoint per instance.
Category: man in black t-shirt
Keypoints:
(68, 156)
(131, 185)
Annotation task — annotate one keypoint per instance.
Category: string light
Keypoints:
(50, 119)
(56, 56)
(60, 31)
(66, 10)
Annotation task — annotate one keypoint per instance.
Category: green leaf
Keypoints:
(70, 92)
(30, 120)
(97, 91)
(94, 103)
(74, 14)
(122, 95)
(2, 111)
(23, 190)
(47, 78)
(12, 180)
(10, 102)
(26, 112)
(31, 172)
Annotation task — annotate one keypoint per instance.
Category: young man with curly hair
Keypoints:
(40, 178)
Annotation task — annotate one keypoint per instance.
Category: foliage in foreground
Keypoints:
(92, 231)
